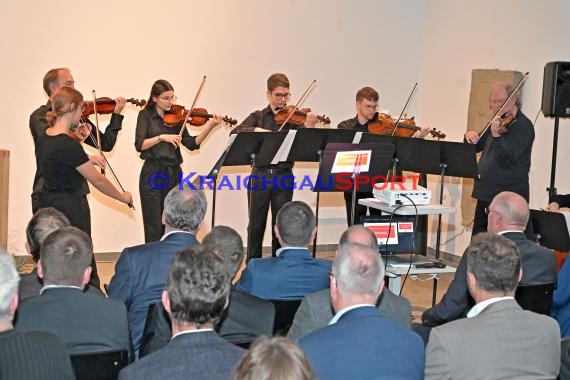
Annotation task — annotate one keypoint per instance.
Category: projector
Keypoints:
(397, 193)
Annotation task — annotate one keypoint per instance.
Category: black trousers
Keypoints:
(480, 220)
(269, 188)
(157, 178)
(75, 207)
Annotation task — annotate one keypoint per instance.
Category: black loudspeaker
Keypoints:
(556, 90)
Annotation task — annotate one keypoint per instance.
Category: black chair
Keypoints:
(284, 314)
(537, 298)
(99, 365)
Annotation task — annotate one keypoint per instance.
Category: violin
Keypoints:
(384, 124)
(199, 116)
(106, 106)
(504, 123)
(298, 117)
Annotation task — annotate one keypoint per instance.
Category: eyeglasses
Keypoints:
(168, 98)
(497, 101)
(488, 210)
(282, 96)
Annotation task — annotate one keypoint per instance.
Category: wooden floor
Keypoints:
(417, 291)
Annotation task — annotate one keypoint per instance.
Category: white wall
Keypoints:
(121, 48)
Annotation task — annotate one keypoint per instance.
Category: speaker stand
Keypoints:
(551, 189)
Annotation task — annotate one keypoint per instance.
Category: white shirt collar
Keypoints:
(278, 252)
(475, 310)
(47, 287)
(342, 312)
(190, 332)
(174, 232)
(507, 231)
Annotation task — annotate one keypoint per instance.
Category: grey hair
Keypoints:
(512, 207)
(9, 280)
(348, 236)
(185, 209)
(358, 269)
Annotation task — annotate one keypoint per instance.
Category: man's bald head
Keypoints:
(512, 210)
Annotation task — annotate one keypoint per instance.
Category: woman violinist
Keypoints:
(159, 145)
(66, 168)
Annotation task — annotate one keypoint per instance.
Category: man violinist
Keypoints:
(506, 154)
(366, 109)
(269, 185)
(54, 80)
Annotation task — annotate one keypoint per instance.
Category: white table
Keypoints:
(432, 209)
(395, 282)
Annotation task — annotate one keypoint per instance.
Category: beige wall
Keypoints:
(120, 48)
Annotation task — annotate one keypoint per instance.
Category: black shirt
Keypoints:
(39, 125)
(58, 157)
(150, 124)
(354, 124)
(505, 162)
(265, 119)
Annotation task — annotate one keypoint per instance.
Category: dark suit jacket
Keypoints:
(196, 355)
(30, 285)
(502, 342)
(140, 277)
(290, 276)
(245, 318)
(85, 322)
(538, 265)
(316, 312)
(364, 345)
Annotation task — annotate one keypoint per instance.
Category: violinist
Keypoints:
(366, 108)
(54, 80)
(269, 192)
(159, 147)
(66, 168)
(506, 153)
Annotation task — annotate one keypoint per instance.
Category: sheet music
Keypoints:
(285, 148)
(357, 137)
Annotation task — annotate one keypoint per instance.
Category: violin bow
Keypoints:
(301, 101)
(115, 178)
(513, 93)
(192, 107)
(98, 143)
(405, 107)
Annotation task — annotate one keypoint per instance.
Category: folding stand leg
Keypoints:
(438, 234)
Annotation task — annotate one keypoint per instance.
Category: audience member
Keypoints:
(245, 318)
(195, 297)
(561, 299)
(294, 272)
(274, 359)
(316, 310)
(45, 221)
(85, 322)
(507, 215)
(497, 340)
(141, 271)
(30, 355)
(359, 343)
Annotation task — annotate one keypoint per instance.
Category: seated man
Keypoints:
(141, 271)
(196, 295)
(507, 215)
(33, 355)
(316, 310)
(294, 272)
(85, 322)
(359, 343)
(44, 222)
(237, 324)
(497, 340)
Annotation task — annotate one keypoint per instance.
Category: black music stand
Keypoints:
(242, 151)
(308, 146)
(549, 229)
(380, 162)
